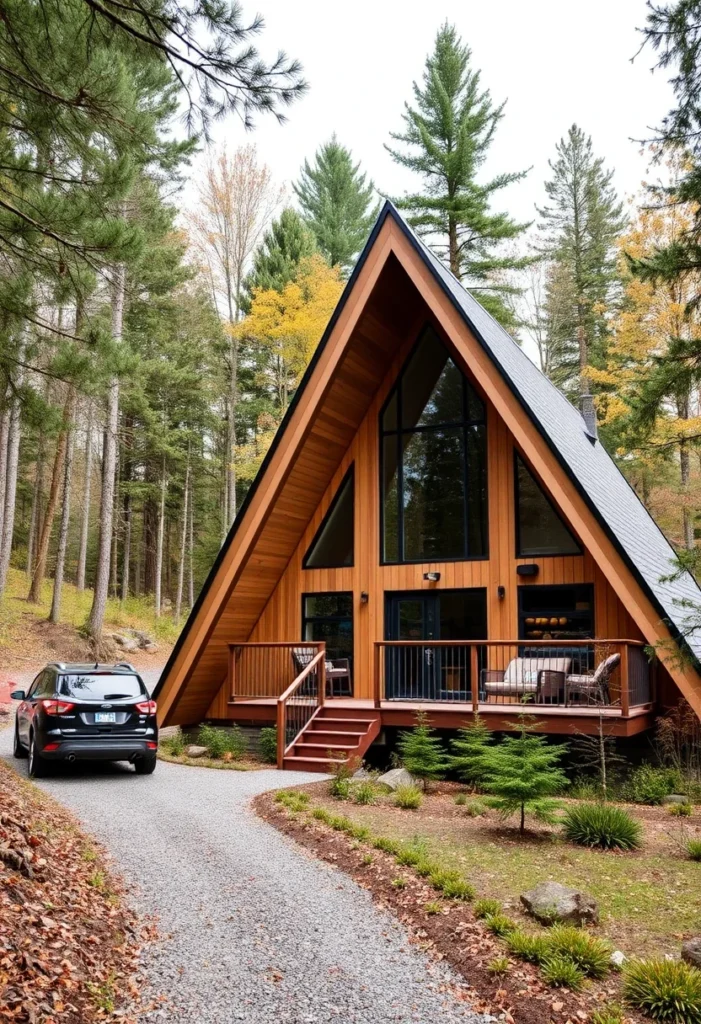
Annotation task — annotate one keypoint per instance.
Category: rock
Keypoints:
(397, 777)
(550, 902)
(675, 798)
(691, 951)
(362, 775)
(194, 751)
(618, 959)
(127, 643)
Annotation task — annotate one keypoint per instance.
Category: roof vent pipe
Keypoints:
(588, 411)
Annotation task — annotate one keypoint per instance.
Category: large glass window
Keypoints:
(433, 450)
(332, 547)
(539, 529)
(329, 617)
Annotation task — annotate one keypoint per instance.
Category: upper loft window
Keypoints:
(333, 546)
(539, 529)
(434, 461)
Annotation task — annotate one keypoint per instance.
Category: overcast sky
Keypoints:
(556, 62)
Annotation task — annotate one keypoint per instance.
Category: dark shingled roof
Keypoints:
(598, 478)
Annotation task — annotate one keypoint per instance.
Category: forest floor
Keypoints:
(28, 640)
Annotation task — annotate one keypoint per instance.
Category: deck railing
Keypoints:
(267, 669)
(299, 703)
(614, 674)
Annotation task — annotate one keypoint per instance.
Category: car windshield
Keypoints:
(101, 686)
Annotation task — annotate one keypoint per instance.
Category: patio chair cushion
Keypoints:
(523, 672)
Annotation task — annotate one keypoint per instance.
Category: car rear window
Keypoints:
(100, 687)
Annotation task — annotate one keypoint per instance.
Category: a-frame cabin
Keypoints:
(435, 526)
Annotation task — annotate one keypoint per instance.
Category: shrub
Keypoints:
(399, 883)
(666, 990)
(422, 752)
(360, 832)
(408, 797)
(499, 924)
(268, 745)
(364, 793)
(433, 907)
(610, 1014)
(293, 800)
(340, 789)
(452, 885)
(649, 784)
(222, 741)
(321, 814)
(367, 860)
(387, 845)
(487, 908)
(591, 954)
(175, 744)
(532, 948)
(424, 868)
(461, 799)
(499, 965)
(602, 825)
(413, 853)
(679, 810)
(561, 972)
(693, 848)
(340, 784)
(476, 808)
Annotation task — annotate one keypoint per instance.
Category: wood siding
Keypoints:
(281, 618)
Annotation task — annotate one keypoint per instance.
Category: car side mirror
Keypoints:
(18, 695)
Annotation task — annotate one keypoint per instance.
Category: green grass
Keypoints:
(666, 990)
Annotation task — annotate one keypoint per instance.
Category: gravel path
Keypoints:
(254, 929)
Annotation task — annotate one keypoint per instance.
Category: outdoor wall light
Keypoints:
(364, 597)
(501, 593)
(432, 577)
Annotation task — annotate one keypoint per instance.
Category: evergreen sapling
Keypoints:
(422, 752)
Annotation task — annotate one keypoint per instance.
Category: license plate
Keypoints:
(105, 716)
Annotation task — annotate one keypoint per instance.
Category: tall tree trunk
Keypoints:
(63, 529)
(85, 515)
(159, 541)
(4, 431)
(137, 564)
(685, 477)
(109, 463)
(183, 541)
(37, 495)
(126, 504)
(34, 595)
(453, 259)
(191, 539)
(231, 441)
(114, 556)
(13, 436)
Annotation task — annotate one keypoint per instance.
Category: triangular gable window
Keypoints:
(332, 547)
(539, 529)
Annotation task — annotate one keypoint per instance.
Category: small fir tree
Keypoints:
(422, 752)
(523, 774)
(337, 204)
(468, 749)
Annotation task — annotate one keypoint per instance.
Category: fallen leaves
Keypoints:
(67, 950)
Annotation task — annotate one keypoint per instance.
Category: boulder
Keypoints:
(618, 959)
(691, 951)
(550, 902)
(194, 751)
(127, 643)
(675, 798)
(397, 777)
(362, 775)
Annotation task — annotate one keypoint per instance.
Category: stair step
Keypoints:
(364, 714)
(333, 739)
(322, 749)
(361, 724)
(309, 764)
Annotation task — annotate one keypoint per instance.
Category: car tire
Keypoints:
(18, 750)
(38, 766)
(145, 765)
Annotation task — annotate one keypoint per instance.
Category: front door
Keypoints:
(422, 670)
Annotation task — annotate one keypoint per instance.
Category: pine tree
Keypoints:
(277, 259)
(448, 134)
(468, 749)
(580, 224)
(337, 204)
(421, 751)
(522, 773)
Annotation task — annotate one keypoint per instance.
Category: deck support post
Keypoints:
(625, 681)
(232, 674)
(376, 676)
(474, 678)
(321, 696)
(281, 730)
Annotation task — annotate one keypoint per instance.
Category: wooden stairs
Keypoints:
(342, 731)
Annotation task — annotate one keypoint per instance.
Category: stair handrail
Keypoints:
(318, 659)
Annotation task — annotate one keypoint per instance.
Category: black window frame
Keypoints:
(399, 432)
(329, 618)
(517, 517)
(349, 476)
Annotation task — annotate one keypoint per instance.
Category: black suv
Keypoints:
(86, 712)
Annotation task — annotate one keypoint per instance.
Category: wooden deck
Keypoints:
(499, 717)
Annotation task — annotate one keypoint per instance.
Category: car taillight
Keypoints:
(51, 746)
(57, 707)
(152, 746)
(147, 707)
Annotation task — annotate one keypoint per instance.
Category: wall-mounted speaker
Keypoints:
(527, 570)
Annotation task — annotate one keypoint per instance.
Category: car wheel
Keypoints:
(145, 765)
(17, 748)
(37, 766)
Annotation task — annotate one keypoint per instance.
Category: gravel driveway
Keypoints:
(253, 928)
